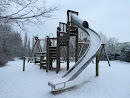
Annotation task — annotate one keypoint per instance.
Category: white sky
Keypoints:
(111, 17)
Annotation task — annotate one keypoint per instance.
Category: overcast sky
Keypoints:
(111, 17)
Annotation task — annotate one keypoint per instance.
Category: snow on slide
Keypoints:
(83, 62)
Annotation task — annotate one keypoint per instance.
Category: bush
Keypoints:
(3, 59)
(125, 54)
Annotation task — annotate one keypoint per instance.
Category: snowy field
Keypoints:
(112, 82)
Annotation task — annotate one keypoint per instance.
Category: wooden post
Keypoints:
(58, 51)
(68, 20)
(68, 51)
(41, 59)
(35, 57)
(97, 68)
(47, 56)
(24, 63)
(103, 48)
(76, 47)
(107, 58)
(50, 64)
(101, 52)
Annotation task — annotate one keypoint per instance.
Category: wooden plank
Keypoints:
(24, 63)
(41, 58)
(97, 68)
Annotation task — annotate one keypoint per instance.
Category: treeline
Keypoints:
(27, 12)
(125, 53)
(116, 50)
(11, 44)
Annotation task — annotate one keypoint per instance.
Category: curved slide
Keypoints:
(84, 61)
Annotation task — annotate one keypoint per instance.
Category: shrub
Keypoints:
(125, 54)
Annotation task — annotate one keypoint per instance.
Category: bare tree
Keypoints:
(111, 44)
(25, 12)
(103, 37)
(10, 44)
(29, 49)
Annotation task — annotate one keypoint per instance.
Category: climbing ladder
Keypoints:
(50, 53)
(36, 48)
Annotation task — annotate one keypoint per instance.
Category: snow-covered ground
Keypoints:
(112, 82)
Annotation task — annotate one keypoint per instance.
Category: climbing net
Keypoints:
(83, 37)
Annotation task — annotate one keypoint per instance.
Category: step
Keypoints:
(53, 55)
(52, 47)
(40, 53)
(53, 38)
(43, 66)
(37, 58)
(37, 61)
(52, 52)
(43, 62)
(53, 58)
(63, 38)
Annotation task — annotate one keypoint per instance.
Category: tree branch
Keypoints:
(26, 12)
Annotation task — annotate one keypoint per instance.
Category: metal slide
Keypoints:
(84, 61)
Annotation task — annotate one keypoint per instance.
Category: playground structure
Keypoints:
(94, 47)
(53, 50)
(86, 48)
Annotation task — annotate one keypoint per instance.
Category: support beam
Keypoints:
(68, 16)
(47, 55)
(68, 51)
(107, 57)
(41, 59)
(58, 51)
(101, 52)
(97, 67)
(76, 47)
(24, 63)
(103, 48)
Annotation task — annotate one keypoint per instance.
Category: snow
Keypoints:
(112, 82)
(58, 81)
